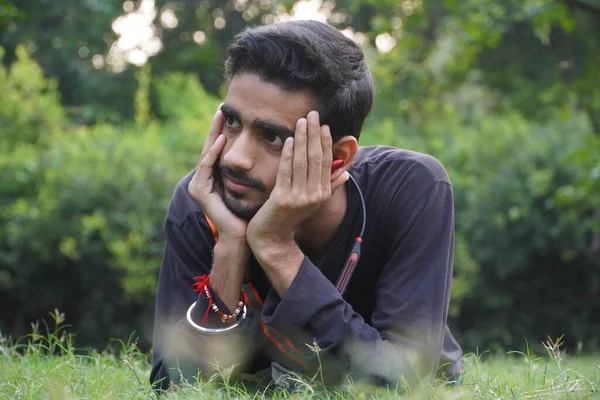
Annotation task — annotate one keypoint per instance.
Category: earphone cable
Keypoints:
(364, 208)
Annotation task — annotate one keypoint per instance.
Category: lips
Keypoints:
(235, 185)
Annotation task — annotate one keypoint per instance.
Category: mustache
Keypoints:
(240, 177)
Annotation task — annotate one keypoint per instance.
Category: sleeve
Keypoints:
(404, 341)
(180, 351)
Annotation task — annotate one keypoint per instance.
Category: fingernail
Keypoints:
(302, 123)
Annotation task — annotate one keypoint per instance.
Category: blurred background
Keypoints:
(105, 104)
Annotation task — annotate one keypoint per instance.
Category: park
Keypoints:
(105, 106)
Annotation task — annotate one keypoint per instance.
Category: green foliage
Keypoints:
(30, 109)
(142, 96)
(83, 215)
(187, 110)
(30, 117)
(510, 175)
(182, 98)
(95, 215)
(8, 13)
(537, 53)
(63, 37)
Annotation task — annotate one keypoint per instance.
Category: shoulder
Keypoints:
(182, 205)
(393, 164)
(185, 222)
(399, 186)
(389, 175)
(189, 238)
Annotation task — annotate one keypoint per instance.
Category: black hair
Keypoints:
(312, 55)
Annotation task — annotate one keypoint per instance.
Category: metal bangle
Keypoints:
(213, 330)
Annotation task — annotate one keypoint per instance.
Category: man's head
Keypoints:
(309, 55)
(276, 75)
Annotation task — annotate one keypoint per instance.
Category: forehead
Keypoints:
(255, 98)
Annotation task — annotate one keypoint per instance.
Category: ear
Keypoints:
(344, 149)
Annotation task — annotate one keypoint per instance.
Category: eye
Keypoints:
(232, 122)
(273, 138)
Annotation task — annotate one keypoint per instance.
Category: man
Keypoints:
(255, 279)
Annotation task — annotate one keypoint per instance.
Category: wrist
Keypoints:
(232, 246)
(230, 259)
(275, 255)
(230, 262)
(271, 244)
(281, 263)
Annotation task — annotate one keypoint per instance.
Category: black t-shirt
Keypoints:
(391, 320)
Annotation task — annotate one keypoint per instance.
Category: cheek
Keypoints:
(227, 147)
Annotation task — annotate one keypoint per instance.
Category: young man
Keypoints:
(260, 237)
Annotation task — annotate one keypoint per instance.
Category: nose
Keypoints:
(239, 152)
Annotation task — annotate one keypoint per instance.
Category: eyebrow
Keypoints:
(278, 129)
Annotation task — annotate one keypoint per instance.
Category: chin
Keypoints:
(239, 208)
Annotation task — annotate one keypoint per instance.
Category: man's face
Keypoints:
(258, 117)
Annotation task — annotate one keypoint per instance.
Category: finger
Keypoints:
(327, 146)
(299, 162)
(339, 181)
(283, 182)
(207, 162)
(215, 130)
(315, 152)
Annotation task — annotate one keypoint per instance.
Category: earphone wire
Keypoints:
(363, 206)
(354, 257)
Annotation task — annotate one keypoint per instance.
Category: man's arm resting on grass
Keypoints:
(179, 348)
(408, 325)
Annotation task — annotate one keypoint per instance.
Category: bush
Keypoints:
(535, 277)
(83, 222)
(30, 109)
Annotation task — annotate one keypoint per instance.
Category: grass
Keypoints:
(50, 367)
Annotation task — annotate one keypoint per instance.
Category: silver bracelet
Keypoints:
(213, 330)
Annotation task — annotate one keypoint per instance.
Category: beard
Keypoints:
(237, 208)
(232, 201)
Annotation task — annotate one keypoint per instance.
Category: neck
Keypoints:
(316, 233)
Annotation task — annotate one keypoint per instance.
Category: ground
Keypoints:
(27, 371)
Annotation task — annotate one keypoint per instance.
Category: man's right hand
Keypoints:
(201, 187)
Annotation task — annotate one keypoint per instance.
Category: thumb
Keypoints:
(339, 181)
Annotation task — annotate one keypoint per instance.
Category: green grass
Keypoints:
(48, 367)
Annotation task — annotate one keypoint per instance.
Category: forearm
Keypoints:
(230, 262)
(180, 347)
(190, 353)
(313, 305)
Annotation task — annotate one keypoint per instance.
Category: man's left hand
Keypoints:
(303, 183)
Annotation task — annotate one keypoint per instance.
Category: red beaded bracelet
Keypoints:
(225, 318)
(202, 284)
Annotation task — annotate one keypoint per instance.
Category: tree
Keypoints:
(64, 37)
